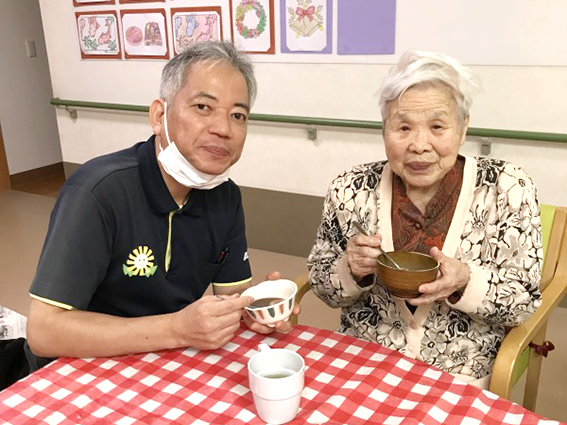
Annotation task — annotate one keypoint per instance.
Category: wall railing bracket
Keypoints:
(72, 112)
(312, 134)
(485, 146)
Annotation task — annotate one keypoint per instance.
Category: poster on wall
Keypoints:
(140, 1)
(98, 35)
(145, 34)
(195, 24)
(306, 26)
(89, 2)
(252, 25)
(366, 27)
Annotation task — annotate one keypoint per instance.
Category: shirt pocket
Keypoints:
(207, 272)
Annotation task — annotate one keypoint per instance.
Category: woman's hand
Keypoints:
(453, 277)
(362, 255)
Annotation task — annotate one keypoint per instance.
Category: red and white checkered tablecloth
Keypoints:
(347, 381)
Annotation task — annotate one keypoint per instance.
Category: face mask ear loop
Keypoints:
(165, 126)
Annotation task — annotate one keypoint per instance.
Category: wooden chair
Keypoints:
(515, 355)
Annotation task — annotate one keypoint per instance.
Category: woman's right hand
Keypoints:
(362, 254)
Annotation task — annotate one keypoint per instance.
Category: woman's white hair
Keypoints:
(429, 69)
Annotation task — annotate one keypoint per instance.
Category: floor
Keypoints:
(24, 219)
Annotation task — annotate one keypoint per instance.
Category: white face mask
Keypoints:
(175, 164)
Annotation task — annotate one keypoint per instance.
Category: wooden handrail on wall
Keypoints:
(71, 105)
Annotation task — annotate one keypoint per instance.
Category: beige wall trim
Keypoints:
(70, 168)
(37, 174)
(4, 171)
(280, 221)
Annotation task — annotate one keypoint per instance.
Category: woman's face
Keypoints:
(422, 134)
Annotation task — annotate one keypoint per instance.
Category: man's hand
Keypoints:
(281, 326)
(453, 277)
(210, 322)
(362, 255)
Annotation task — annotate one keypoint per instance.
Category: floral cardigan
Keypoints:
(495, 230)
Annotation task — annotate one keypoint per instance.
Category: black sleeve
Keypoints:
(76, 252)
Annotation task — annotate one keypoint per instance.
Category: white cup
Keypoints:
(276, 379)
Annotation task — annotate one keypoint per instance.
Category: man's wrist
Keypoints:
(178, 337)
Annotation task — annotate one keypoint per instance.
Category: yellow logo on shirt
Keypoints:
(140, 263)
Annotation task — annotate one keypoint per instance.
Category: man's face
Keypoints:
(208, 117)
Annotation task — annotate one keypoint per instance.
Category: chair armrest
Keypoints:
(519, 337)
(303, 286)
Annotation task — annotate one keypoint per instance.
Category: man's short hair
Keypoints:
(175, 71)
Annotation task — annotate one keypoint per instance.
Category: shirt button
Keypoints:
(418, 225)
(411, 347)
(413, 325)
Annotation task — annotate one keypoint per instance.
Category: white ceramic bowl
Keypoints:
(281, 310)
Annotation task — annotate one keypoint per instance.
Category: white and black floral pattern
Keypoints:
(501, 237)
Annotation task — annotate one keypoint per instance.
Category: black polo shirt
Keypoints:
(108, 235)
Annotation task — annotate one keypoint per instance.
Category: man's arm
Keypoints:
(208, 323)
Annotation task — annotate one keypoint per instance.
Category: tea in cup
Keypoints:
(276, 378)
(273, 301)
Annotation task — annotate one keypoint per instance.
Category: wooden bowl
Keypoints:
(417, 268)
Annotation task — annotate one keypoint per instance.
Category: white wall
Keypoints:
(515, 97)
(28, 120)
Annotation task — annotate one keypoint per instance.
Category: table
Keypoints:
(347, 381)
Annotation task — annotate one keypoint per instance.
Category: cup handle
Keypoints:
(264, 347)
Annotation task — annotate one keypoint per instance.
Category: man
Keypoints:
(137, 236)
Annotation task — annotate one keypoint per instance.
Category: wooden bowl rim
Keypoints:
(408, 270)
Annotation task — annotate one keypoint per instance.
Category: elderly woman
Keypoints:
(478, 217)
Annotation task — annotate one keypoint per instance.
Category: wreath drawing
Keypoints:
(241, 11)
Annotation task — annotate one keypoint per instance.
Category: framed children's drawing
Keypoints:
(252, 25)
(145, 34)
(140, 1)
(195, 24)
(306, 26)
(98, 34)
(91, 2)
